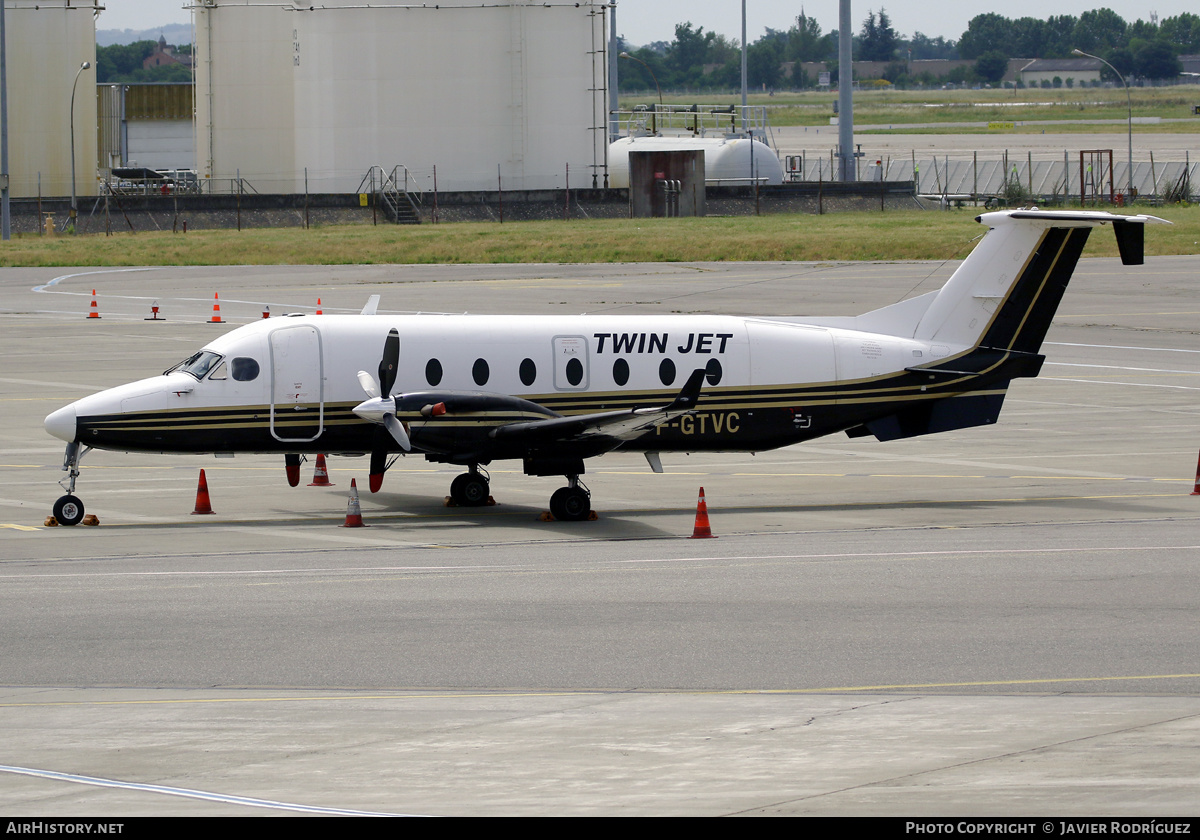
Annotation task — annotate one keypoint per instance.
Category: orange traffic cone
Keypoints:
(216, 316)
(203, 505)
(702, 531)
(321, 474)
(319, 312)
(93, 310)
(1196, 487)
(353, 511)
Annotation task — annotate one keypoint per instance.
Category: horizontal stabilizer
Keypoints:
(939, 416)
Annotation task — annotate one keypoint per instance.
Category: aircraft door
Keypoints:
(297, 384)
(570, 363)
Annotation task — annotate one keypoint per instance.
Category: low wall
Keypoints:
(201, 212)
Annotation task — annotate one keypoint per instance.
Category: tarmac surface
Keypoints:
(991, 621)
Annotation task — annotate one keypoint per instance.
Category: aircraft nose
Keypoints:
(61, 423)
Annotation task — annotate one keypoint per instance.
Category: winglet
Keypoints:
(372, 305)
(690, 393)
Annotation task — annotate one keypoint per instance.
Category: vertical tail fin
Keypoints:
(1006, 292)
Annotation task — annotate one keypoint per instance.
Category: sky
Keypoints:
(643, 21)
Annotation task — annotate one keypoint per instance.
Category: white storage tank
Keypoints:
(728, 161)
(47, 42)
(511, 91)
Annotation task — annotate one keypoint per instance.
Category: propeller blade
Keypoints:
(397, 429)
(368, 384)
(389, 363)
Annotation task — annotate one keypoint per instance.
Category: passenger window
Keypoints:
(480, 372)
(433, 372)
(666, 372)
(574, 371)
(244, 369)
(528, 372)
(620, 371)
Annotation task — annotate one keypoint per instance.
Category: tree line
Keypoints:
(122, 64)
(699, 60)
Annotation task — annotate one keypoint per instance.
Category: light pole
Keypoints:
(648, 70)
(1129, 101)
(85, 65)
(654, 123)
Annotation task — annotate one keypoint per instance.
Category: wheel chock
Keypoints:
(51, 522)
(449, 502)
(90, 519)
(546, 516)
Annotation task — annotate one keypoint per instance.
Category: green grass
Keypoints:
(899, 235)
(874, 107)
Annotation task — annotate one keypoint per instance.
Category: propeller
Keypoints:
(380, 408)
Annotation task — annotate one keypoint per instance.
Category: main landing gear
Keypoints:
(68, 510)
(471, 489)
(572, 503)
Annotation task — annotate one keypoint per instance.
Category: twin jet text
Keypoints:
(702, 343)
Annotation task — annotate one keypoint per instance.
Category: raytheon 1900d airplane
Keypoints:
(554, 391)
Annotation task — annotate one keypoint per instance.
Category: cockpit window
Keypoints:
(197, 365)
(244, 369)
(220, 372)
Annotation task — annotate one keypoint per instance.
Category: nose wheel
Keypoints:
(68, 510)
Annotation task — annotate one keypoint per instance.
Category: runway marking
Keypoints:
(1128, 384)
(975, 683)
(592, 565)
(1120, 346)
(191, 793)
(18, 527)
(913, 553)
(375, 694)
(58, 280)
(1122, 367)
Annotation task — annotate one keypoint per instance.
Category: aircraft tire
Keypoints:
(68, 510)
(570, 504)
(469, 490)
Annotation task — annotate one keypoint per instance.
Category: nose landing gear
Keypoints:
(68, 510)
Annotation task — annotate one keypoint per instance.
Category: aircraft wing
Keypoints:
(625, 424)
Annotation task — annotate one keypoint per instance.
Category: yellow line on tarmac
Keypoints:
(914, 686)
(418, 694)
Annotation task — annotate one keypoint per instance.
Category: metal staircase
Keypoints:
(391, 193)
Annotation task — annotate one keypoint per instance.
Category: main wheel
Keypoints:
(68, 510)
(469, 490)
(570, 504)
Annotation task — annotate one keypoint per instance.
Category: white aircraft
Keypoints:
(554, 391)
